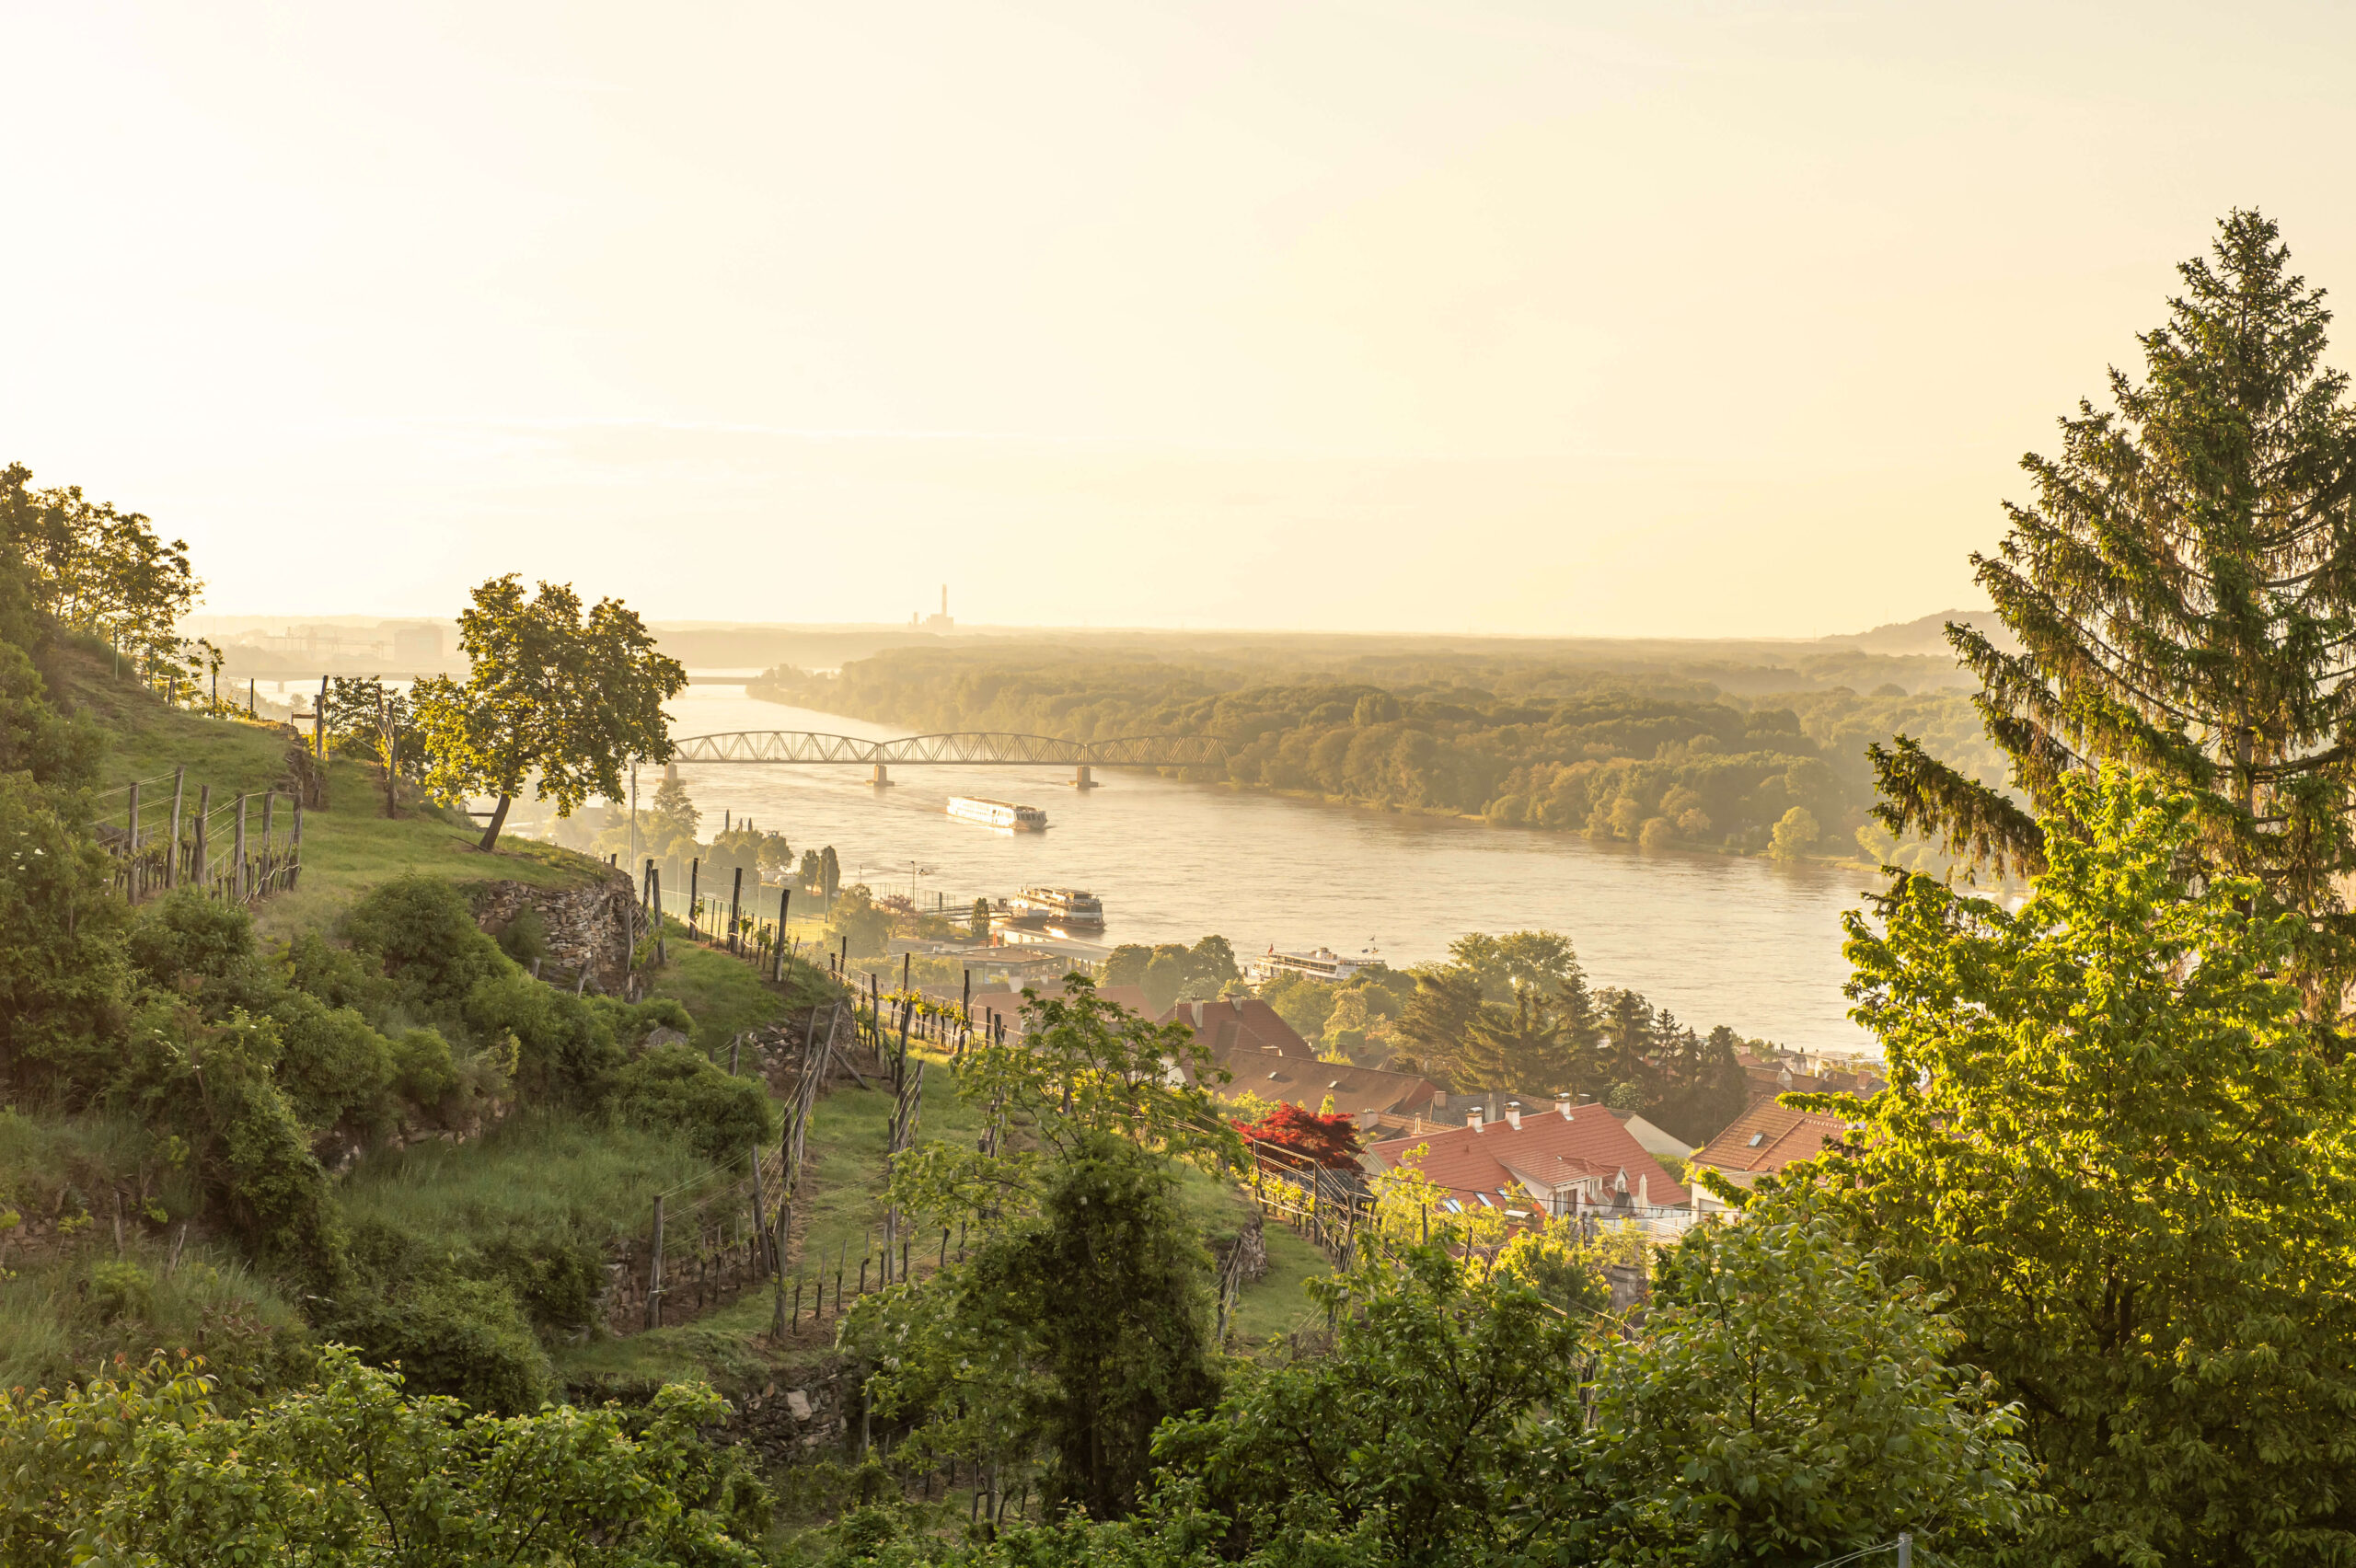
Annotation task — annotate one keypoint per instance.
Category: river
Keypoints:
(1746, 942)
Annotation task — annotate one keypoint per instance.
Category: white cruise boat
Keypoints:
(997, 814)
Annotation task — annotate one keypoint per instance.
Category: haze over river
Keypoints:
(1714, 938)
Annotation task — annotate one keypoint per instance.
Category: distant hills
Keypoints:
(1926, 635)
(268, 647)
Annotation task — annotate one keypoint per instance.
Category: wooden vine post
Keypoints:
(179, 783)
(655, 1272)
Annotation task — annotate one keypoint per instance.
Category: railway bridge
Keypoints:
(964, 748)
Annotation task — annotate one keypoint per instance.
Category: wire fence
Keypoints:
(247, 847)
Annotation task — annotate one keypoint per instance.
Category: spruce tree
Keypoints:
(2183, 588)
(1520, 1049)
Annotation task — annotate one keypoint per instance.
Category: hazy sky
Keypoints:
(1518, 316)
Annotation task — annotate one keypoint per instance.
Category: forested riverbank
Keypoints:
(1655, 756)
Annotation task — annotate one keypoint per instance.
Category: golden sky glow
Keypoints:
(1517, 317)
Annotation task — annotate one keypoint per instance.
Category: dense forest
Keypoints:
(1643, 753)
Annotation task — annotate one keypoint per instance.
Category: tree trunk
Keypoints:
(498, 821)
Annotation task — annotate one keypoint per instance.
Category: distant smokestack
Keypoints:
(944, 598)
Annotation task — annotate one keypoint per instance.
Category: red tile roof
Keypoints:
(1546, 1151)
(1240, 1023)
(1769, 1137)
(1307, 1082)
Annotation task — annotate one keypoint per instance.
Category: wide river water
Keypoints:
(1716, 940)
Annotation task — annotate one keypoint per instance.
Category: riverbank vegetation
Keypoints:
(1651, 757)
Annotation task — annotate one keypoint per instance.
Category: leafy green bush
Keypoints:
(566, 1049)
(424, 1073)
(185, 937)
(420, 931)
(144, 1467)
(672, 1086)
(448, 1334)
(556, 1276)
(334, 1068)
(339, 976)
(60, 966)
(122, 1289)
(211, 1085)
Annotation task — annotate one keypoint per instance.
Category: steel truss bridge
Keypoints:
(962, 748)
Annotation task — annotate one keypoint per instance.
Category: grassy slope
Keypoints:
(603, 1180)
(1276, 1303)
(347, 847)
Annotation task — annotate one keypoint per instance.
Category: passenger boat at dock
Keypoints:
(997, 814)
(1068, 908)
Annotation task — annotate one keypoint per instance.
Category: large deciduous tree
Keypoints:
(553, 696)
(2183, 588)
(2107, 1137)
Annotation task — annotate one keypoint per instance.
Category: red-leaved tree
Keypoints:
(1330, 1141)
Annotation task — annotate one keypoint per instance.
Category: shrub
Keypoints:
(339, 977)
(211, 1085)
(672, 1086)
(424, 1073)
(419, 929)
(122, 1289)
(555, 1275)
(333, 1067)
(565, 1047)
(451, 1335)
(185, 934)
(60, 970)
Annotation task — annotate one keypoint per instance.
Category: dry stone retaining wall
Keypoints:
(588, 927)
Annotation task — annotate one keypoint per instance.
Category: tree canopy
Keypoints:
(2109, 1137)
(553, 698)
(2183, 588)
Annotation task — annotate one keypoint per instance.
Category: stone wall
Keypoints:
(783, 1424)
(588, 925)
(1254, 1244)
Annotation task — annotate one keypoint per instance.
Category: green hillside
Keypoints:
(347, 847)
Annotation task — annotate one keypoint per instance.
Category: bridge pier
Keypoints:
(1084, 779)
(883, 779)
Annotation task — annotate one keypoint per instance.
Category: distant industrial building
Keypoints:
(417, 647)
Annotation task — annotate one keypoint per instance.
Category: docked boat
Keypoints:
(997, 814)
(1066, 909)
(1320, 963)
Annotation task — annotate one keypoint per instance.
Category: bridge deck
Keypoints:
(962, 748)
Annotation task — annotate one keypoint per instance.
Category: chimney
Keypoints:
(1563, 1103)
(1643, 1188)
(1472, 1118)
(1513, 1117)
